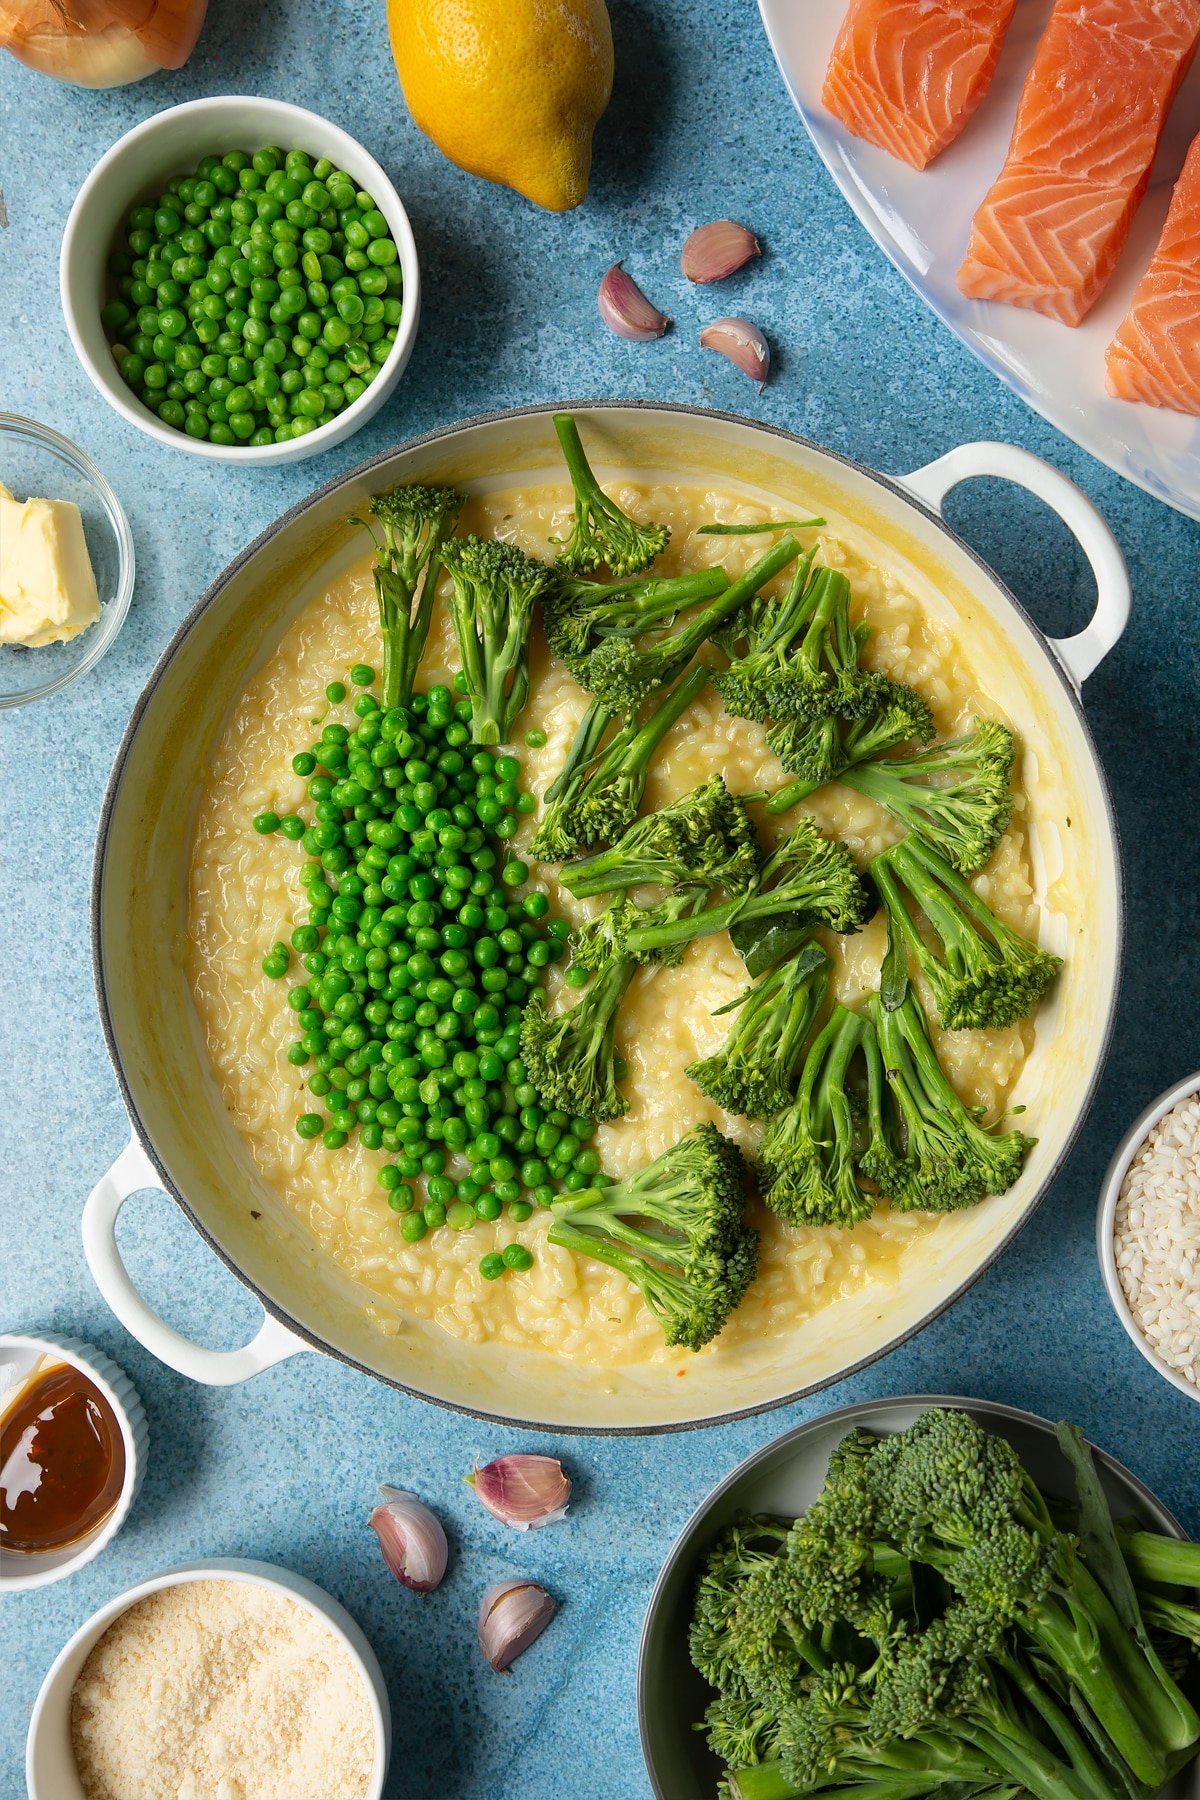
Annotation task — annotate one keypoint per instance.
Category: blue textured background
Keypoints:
(285, 1467)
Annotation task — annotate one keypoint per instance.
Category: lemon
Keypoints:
(508, 89)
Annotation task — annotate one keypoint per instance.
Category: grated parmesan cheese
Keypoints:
(221, 1690)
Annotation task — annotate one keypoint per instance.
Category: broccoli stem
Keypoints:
(1153, 1557)
(603, 532)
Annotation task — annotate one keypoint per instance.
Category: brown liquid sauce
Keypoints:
(62, 1461)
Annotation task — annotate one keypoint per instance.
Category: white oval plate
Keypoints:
(921, 218)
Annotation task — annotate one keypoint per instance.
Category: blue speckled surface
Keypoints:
(284, 1468)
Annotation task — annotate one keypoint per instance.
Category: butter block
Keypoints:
(47, 584)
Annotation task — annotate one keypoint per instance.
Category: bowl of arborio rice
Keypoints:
(1148, 1234)
(452, 1288)
(216, 1677)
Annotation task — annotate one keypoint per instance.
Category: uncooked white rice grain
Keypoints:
(1156, 1238)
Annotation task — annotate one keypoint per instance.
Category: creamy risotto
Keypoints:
(245, 894)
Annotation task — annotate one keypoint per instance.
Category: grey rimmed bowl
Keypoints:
(784, 1479)
(184, 1139)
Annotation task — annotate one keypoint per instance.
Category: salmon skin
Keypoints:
(1050, 230)
(1155, 355)
(908, 74)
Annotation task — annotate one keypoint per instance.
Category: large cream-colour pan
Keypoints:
(183, 1138)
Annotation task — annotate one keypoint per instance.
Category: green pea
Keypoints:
(515, 1256)
(492, 1266)
(413, 1227)
(309, 1125)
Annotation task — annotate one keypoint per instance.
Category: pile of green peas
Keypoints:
(422, 945)
(256, 299)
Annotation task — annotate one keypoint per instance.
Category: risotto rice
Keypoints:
(245, 894)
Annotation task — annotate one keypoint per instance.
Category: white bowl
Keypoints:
(50, 1771)
(172, 143)
(1110, 1192)
(19, 1355)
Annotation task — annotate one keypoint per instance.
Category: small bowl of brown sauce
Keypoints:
(72, 1453)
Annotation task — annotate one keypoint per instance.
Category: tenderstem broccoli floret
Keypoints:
(676, 1230)
(604, 795)
(817, 750)
(602, 533)
(949, 1160)
(705, 839)
(807, 1159)
(808, 880)
(557, 836)
(982, 974)
(801, 656)
(754, 1072)
(956, 795)
(623, 673)
(570, 1056)
(414, 522)
(579, 614)
(495, 587)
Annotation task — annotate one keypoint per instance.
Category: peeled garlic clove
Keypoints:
(523, 1491)
(716, 250)
(744, 345)
(626, 310)
(511, 1615)
(411, 1538)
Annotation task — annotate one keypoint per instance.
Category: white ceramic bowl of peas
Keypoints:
(135, 173)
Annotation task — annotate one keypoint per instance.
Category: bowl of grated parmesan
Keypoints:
(1148, 1234)
(223, 1680)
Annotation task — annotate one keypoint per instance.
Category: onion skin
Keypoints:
(743, 344)
(523, 1491)
(717, 250)
(412, 1540)
(511, 1615)
(626, 310)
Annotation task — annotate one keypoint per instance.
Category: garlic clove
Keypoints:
(744, 345)
(411, 1538)
(523, 1491)
(717, 250)
(626, 310)
(511, 1615)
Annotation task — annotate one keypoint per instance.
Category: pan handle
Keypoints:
(1082, 654)
(132, 1172)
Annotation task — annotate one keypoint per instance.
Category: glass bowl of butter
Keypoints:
(66, 561)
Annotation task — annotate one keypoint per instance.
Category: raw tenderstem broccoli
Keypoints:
(557, 837)
(986, 975)
(676, 1230)
(579, 614)
(603, 792)
(754, 1071)
(817, 750)
(623, 674)
(415, 522)
(494, 589)
(806, 1161)
(956, 795)
(569, 1056)
(602, 533)
(926, 1629)
(948, 1160)
(801, 659)
(808, 880)
(706, 839)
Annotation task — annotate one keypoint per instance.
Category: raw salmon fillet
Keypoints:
(908, 74)
(1050, 231)
(1155, 355)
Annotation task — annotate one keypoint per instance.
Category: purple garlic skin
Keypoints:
(523, 1491)
(411, 1538)
(511, 1615)
(743, 344)
(717, 250)
(626, 310)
